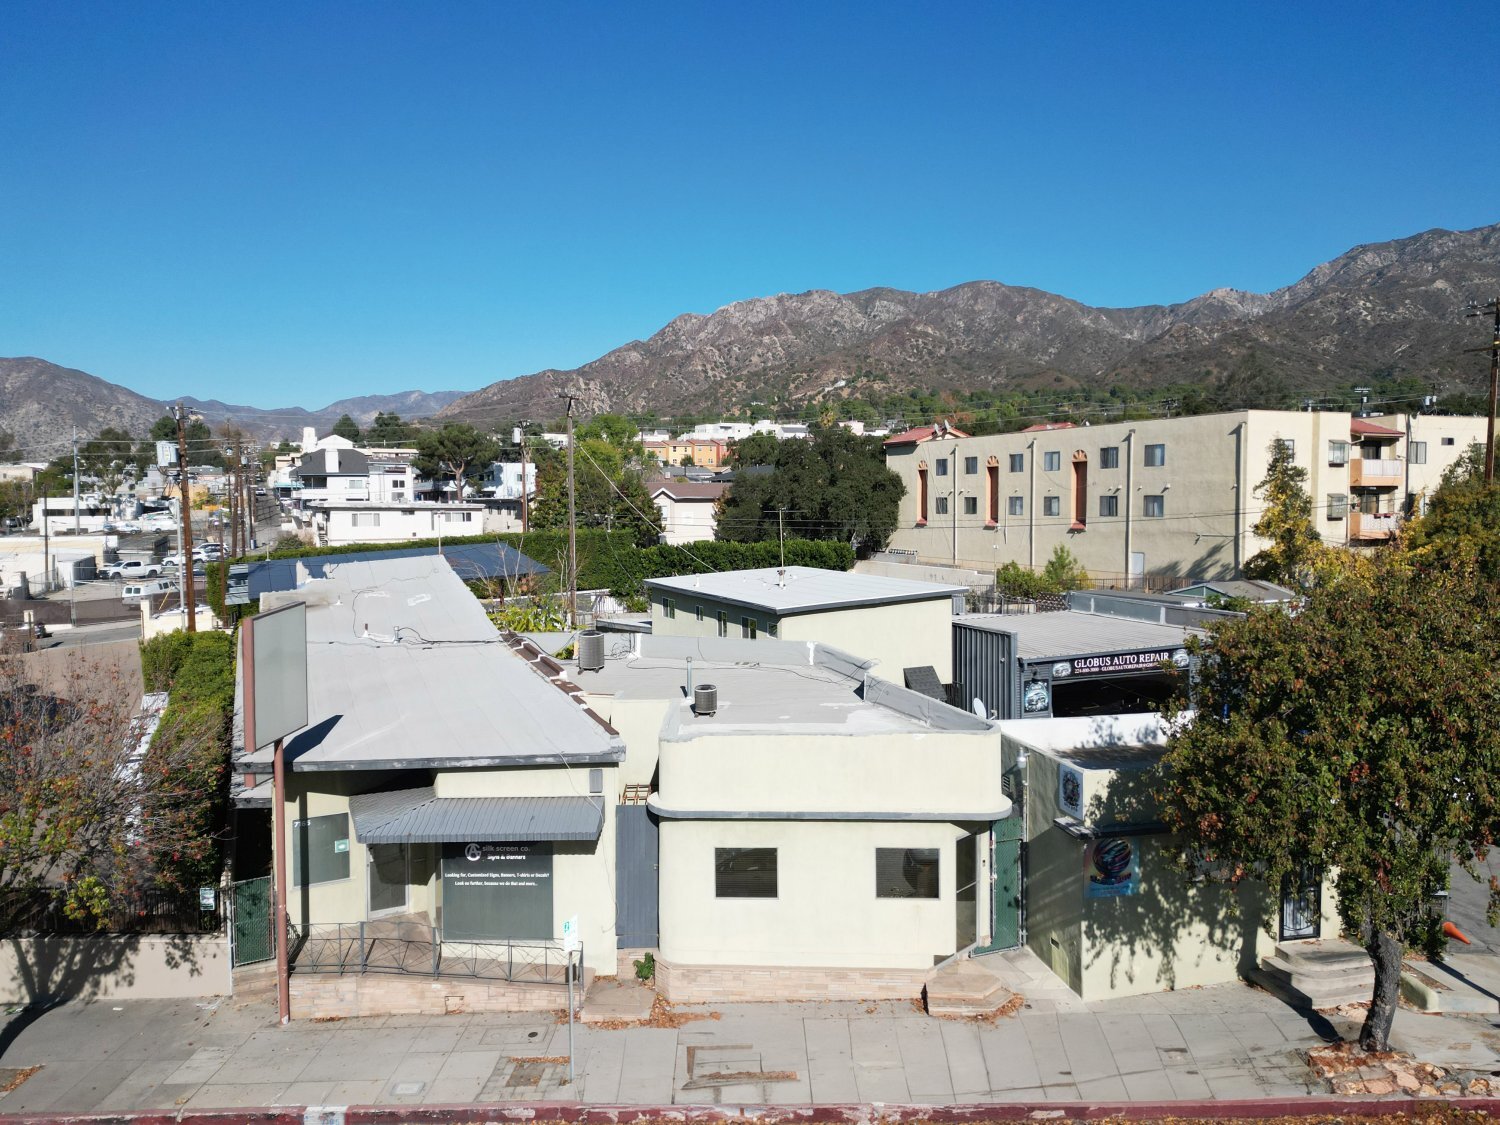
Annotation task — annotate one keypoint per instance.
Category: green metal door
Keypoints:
(1005, 891)
(253, 939)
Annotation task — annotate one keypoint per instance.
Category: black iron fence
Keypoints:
(142, 912)
(416, 948)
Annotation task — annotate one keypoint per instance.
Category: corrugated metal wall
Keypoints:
(983, 667)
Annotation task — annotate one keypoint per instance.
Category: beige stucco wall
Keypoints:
(1172, 933)
(825, 912)
(903, 635)
(639, 722)
(583, 873)
(1213, 464)
(113, 967)
(938, 772)
(1433, 429)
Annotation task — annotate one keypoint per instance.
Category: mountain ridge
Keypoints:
(1378, 306)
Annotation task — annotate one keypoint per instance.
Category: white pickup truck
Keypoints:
(130, 568)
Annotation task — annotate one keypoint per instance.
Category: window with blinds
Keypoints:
(906, 872)
(745, 872)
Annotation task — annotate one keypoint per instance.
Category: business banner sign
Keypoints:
(1111, 664)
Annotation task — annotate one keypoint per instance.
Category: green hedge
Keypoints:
(188, 760)
(606, 560)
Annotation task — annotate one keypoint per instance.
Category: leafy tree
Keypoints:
(347, 427)
(832, 486)
(458, 452)
(15, 499)
(1462, 520)
(109, 459)
(1356, 738)
(1295, 551)
(614, 429)
(1064, 572)
(388, 429)
(611, 491)
(74, 806)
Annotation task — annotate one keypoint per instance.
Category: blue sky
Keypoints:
(288, 203)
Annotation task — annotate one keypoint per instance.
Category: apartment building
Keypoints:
(1167, 498)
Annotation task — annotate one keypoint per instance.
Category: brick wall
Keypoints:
(316, 995)
(715, 984)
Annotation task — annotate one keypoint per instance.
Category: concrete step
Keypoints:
(618, 999)
(1319, 990)
(1323, 956)
(962, 988)
(1434, 986)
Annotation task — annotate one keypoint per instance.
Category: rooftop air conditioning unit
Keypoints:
(591, 651)
(705, 699)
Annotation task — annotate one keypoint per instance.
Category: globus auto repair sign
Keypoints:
(1112, 664)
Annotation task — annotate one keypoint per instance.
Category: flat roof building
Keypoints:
(895, 621)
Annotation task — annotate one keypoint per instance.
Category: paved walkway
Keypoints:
(1228, 1042)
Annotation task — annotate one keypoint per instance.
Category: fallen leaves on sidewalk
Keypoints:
(11, 1077)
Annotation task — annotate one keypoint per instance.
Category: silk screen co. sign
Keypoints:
(1114, 663)
(497, 891)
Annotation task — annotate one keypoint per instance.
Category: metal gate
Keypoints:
(251, 937)
(636, 852)
(1301, 904)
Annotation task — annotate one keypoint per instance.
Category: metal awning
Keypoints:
(420, 816)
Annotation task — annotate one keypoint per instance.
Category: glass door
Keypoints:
(388, 878)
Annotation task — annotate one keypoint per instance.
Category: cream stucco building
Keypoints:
(896, 622)
(1170, 498)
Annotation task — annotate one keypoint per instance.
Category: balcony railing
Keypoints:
(1372, 525)
(1374, 474)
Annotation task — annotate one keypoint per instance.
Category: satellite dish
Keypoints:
(978, 708)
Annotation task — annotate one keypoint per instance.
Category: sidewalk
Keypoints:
(1220, 1043)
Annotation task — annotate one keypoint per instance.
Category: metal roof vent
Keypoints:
(705, 699)
(591, 651)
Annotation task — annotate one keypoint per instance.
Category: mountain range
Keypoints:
(1389, 308)
(43, 405)
(1385, 308)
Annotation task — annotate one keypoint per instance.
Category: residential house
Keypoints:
(688, 509)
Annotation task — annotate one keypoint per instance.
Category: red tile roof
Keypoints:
(1363, 427)
(937, 430)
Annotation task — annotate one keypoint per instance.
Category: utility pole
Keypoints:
(525, 489)
(572, 521)
(188, 595)
(75, 482)
(1491, 307)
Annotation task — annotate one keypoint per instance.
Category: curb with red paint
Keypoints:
(578, 1113)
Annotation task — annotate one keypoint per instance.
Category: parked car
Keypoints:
(130, 568)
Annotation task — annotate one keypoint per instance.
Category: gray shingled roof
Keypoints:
(420, 816)
(333, 463)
